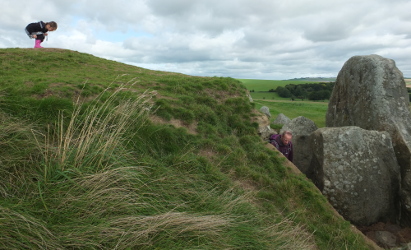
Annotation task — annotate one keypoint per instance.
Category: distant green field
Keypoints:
(262, 85)
(266, 96)
(266, 85)
(314, 111)
(269, 96)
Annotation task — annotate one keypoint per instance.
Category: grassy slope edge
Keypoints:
(96, 154)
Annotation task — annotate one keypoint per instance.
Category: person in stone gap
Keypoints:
(283, 143)
(39, 30)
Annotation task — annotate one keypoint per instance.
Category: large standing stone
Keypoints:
(370, 93)
(356, 169)
(301, 128)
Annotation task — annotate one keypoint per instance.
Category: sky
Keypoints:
(246, 39)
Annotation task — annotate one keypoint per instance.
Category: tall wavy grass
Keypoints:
(85, 194)
(94, 136)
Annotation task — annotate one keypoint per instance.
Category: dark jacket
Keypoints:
(38, 29)
(286, 150)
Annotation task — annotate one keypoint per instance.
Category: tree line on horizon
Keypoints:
(310, 91)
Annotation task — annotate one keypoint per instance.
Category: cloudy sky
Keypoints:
(254, 39)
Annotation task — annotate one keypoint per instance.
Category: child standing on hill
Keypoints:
(39, 31)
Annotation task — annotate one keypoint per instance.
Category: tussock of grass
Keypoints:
(13, 135)
(144, 231)
(102, 193)
(93, 135)
(109, 199)
(22, 231)
(287, 229)
(15, 144)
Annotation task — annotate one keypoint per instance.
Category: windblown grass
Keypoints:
(16, 146)
(22, 231)
(287, 229)
(88, 185)
(92, 136)
(110, 202)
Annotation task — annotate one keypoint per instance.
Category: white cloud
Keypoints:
(266, 39)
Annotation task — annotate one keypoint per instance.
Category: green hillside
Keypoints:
(97, 154)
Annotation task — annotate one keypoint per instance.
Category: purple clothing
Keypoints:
(286, 150)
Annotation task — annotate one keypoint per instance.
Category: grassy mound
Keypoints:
(96, 154)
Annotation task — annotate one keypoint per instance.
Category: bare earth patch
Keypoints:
(191, 128)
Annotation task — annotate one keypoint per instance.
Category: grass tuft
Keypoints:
(94, 134)
(22, 231)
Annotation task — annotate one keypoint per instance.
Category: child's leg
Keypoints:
(39, 40)
(37, 44)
